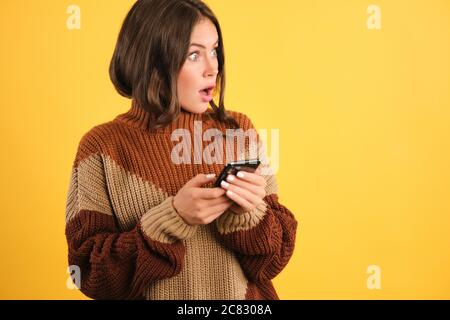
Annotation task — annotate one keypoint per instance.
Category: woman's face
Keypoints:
(200, 68)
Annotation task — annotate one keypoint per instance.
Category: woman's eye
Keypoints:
(193, 56)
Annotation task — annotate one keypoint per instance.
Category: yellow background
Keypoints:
(364, 124)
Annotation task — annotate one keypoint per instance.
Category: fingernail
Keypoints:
(229, 192)
(224, 184)
(230, 178)
(210, 176)
(240, 174)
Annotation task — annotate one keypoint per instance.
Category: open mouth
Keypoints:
(207, 91)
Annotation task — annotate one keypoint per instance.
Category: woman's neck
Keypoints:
(139, 118)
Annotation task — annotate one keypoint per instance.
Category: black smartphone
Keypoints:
(234, 167)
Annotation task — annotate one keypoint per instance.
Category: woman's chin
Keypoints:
(197, 109)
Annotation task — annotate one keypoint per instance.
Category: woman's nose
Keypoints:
(213, 74)
(211, 69)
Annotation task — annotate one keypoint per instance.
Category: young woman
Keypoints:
(143, 221)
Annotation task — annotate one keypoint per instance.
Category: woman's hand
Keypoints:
(246, 189)
(197, 205)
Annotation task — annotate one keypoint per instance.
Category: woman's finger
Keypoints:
(208, 193)
(252, 178)
(214, 211)
(255, 189)
(214, 202)
(241, 196)
(243, 193)
(247, 206)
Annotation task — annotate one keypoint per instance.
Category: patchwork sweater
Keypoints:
(128, 240)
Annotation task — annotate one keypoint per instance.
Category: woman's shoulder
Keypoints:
(98, 139)
(242, 119)
(97, 134)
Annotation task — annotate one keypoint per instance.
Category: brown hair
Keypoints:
(151, 49)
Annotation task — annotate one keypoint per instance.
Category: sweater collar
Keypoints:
(139, 118)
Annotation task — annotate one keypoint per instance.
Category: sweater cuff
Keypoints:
(162, 223)
(232, 222)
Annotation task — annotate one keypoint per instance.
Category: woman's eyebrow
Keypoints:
(202, 46)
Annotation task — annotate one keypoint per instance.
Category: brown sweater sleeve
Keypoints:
(264, 238)
(116, 264)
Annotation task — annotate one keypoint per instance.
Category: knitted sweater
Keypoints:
(130, 243)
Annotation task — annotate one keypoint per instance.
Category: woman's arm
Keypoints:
(264, 237)
(116, 264)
